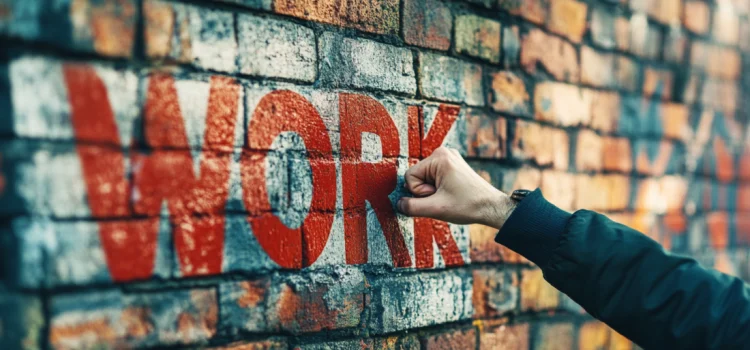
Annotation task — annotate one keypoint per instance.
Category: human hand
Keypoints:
(446, 188)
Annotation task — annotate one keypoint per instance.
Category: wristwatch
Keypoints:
(518, 195)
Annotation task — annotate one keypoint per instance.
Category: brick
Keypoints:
(604, 29)
(446, 78)
(21, 320)
(508, 93)
(273, 48)
(428, 23)
(717, 61)
(505, 336)
(567, 18)
(597, 69)
(666, 11)
(117, 319)
(534, 11)
(554, 336)
(376, 16)
(253, 4)
(605, 111)
(512, 46)
(451, 339)
(541, 144)
(658, 83)
(596, 335)
(536, 293)
(563, 104)
(645, 38)
(188, 34)
(556, 56)
(411, 301)
(103, 27)
(495, 292)
(696, 16)
(397, 342)
(726, 25)
(675, 43)
(675, 121)
(616, 154)
(720, 95)
(243, 306)
(478, 37)
(347, 62)
(602, 192)
(559, 188)
(486, 136)
(485, 249)
(269, 344)
(627, 73)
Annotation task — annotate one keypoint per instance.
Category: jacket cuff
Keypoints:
(534, 228)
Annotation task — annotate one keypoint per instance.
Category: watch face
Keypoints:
(519, 195)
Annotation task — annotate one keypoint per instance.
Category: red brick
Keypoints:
(485, 249)
(616, 154)
(597, 68)
(563, 104)
(478, 37)
(568, 18)
(451, 339)
(536, 293)
(726, 25)
(556, 56)
(588, 151)
(532, 10)
(485, 135)
(696, 16)
(554, 336)
(376, 16)
(497, 335)
(605, 111)
(541, 144)
(508, 93)
(495, 292)
(657, 83)
(559, 188)
(665, 11)
(428, 23)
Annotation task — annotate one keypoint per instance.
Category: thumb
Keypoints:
(424, 207)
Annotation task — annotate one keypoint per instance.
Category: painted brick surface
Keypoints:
(222, 174)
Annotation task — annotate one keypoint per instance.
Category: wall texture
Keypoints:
(222, 173)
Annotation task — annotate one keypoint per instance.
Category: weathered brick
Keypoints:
(559, 188)
(446, 78)
(597, 68)
(602, 192)
(269, 344)
(562, 104)
(536, 293)
(665, 11)
(508, 93)
(616, 154)
(243, 306)
(485, 249)
(605, 110)
(534, 11)
(717, 61)
(554, 336)
(397, 342)
(512, 46)
(658, 83)
(347, 62)
(428, 23)
(273, 48)
(675, 121)
(720, 95)
(495, 292)
(726, 25)
(478, 37)
(451, 339)
(486, 136)
(696, 16)
(541, 144)
(627, 73)
(376, 16)
(674, 46)
(104, 27)
(567, 18)
(114, 319)
(596, 335)
(411, 301)
(189, 34)
(21, 320)
(556, 56)
(504, 336)
(609, 30)
(645, 38)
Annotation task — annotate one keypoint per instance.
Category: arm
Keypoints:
(617, 274)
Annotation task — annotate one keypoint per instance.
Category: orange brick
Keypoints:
(536, 293)
(696, 16)
(559, 188)
(568, 18)
(495, 292)
(602, 192)
(534, 11)
(485, 135)
(665, 11)
(675, 121)
(562, 104)
(508, 93)
(588, 151)
(616, 154)
(541, 144)
(485, 249)
(726, 25)
(556, 56)
(450, 339)
(376, 16)
(428, 23)
(593, 336)
(717, 61)
(554, 336)
(657, 83)
(504, 336)
(524, 178)
(597, 68)
(605, 110)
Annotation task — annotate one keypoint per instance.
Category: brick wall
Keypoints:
(222, 174)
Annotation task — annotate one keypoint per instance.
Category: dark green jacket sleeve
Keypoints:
(628, 281)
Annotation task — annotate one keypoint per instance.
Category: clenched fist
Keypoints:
(446, 188)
